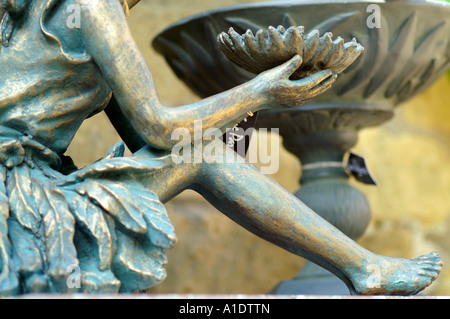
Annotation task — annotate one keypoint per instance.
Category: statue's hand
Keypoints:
(282, 92)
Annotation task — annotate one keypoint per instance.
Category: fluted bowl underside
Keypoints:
(407, 48)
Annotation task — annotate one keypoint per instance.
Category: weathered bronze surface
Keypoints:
(107, 220)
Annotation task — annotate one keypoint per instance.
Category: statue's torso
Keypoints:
(43, 92)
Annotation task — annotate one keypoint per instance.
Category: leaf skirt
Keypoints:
(96, 230)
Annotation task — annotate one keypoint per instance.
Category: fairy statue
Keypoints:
(108, 219)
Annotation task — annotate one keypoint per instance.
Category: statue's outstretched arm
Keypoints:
(267, 210)
(107, 38)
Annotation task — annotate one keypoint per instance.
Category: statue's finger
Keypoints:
(323, 86)
(313, 80)
(292, 65)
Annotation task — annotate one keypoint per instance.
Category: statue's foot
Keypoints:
(397, 276)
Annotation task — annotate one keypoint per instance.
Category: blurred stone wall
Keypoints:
(409, 156)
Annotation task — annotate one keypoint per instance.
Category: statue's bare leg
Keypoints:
(263, 207)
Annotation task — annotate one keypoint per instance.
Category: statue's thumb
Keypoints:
(293, 64)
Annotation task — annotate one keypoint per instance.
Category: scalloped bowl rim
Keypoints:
(287, 3)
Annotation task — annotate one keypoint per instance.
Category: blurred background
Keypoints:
(409, 156)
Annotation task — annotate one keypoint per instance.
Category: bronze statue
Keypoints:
(108, 218)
